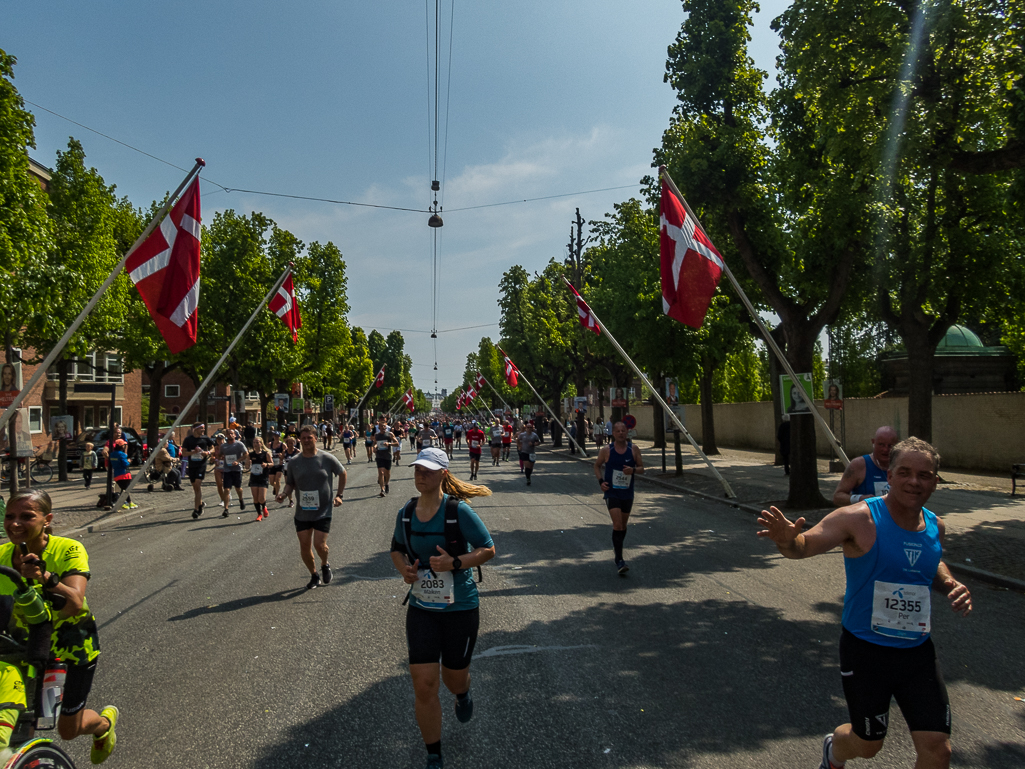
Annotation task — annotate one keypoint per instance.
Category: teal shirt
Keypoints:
(428, 536)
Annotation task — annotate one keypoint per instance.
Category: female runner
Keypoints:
(443, 615)
(259, 463)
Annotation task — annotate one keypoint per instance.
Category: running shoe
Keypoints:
(528, 481)
(434, 762)
(464, 708)
(827, 742)
(198, 512)
(382, 493)
(325, 573)
(103, 745)
(241, 505)
(314, 581)
(259, 517)
(386, 489)
(623, 568)
(225, 513)
(132, 505)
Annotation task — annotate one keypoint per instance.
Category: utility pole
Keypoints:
(576, 267)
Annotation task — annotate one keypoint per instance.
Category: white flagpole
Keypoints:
(495, 390)
(195, 396)
(545, 404)
(654, 391)
(396, 403)
(369, 389)
(758, 321)
(62, 343)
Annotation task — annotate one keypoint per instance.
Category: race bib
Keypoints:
(220, 464)
(256, 470)
(434, 591)
(533, 457)
(309, 500)
(620, 480)
(474, 444)
(428, 443)
(881, 488)
(901, 611)
(196, 457)
(382, 445)
(231, 461)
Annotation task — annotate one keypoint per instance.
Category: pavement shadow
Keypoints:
(239, 604)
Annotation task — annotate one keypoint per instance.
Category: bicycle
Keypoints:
(39, 469)
(42, 692)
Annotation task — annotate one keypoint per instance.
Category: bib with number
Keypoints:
(382, 445)
(901, 611)
(533, 457)
(474, 444)
(256, 470)
(309, 500)
(620, 480)
(434, 590)
(220, 464)
(231, 460)
(428, 443)
(881, 488)
(196, 457)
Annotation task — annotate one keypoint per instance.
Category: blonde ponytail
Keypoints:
(458, 489)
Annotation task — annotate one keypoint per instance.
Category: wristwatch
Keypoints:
(52, 581)
(456, 563)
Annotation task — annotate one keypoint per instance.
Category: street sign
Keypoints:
(630, 421)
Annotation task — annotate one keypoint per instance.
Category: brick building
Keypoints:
(219, 406)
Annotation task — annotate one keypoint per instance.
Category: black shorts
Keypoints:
(230, 478)
(623, 505)
(77, 685)
(446, 635)
(525, 457)
(258, 481)
(321, 524)
(195, 470)
(384, 461)
(872, 674)
(475, 454)
(368, 444)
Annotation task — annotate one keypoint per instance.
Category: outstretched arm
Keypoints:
(832, 531)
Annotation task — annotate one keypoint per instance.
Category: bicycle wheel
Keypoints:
(41, 473)
(40, 753)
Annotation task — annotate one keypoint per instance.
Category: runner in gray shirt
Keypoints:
(526, 442)
(309, 474)
(233, 451)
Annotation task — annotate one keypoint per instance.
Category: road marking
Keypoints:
(503, 651)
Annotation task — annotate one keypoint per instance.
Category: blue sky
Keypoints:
(331, 100)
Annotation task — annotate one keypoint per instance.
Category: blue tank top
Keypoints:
(887, 598)
(615, 464)
(875, 479)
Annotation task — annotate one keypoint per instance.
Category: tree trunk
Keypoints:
(11, 432)
(921, 365)
(265, 399)
(156, 393)
(804, 472)
(775, 369)
(581, 387)
(62, 408)
(658, 413)
(708, 444)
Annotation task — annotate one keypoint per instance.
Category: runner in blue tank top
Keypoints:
(892, 550)
(615, 468)
(865, 476)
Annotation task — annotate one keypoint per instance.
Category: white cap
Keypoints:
(432, 459)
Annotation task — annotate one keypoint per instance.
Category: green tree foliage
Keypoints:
(390, 352)
(25, 229)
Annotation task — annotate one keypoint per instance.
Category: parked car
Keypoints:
(137, 450)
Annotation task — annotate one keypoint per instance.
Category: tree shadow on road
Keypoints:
(240, 603)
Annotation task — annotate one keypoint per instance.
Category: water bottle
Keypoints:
(53, 695)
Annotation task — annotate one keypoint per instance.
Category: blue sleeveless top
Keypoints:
(876, 580)
(875, 479)
(616, 463)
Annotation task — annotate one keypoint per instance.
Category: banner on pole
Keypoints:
(797, 399)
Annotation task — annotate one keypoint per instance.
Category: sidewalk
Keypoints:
(985, 526)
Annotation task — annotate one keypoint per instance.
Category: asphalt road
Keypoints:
(712, 652)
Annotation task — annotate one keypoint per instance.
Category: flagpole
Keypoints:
(658, 397)
(62, 343)
(199, 390)
(396, 403)
(370, 388)
(545, 404)
(758, 321)
(495, 390)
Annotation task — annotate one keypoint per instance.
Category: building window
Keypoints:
(172, 391)
(88, 418)
(104, 420)
(35, 419)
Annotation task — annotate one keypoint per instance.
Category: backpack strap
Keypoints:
(455, 542)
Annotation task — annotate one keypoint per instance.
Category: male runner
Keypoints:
(496, 434)
(526, 442)
(233, 454)
(865, 476)
(615, 467)
(892, 548)
(399, 430)
(475, 444)
(196, 448)
(448, 434)
(309, 474)
(427, 438)
(384, 440)
(458, 428)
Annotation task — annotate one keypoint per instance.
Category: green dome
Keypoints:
(959, 337)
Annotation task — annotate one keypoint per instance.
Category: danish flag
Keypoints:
(408, 400)
(470, 393)
(691, 267)
(165, 270)
(511, 372)
(481, 381)
(285, 306)
(380, 377)
(584, 313)
(459, 402)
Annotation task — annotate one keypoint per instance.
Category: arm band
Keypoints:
(856, 498)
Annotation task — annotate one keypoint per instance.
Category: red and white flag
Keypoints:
(691, 267)
(285, 306)
(379, 381)
(470, 393)
(586, 317)
(165, 270)
(480, 381)
(511, 372)
(408, 400)
(459, 402)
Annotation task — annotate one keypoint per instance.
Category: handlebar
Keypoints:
(13, 576)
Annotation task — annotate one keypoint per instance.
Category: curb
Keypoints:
(971, 571)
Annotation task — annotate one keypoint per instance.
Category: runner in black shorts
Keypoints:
(384, 442)
(443, 614)
(616, 467)
(892, 548)
(196, 448)
(259, 463)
